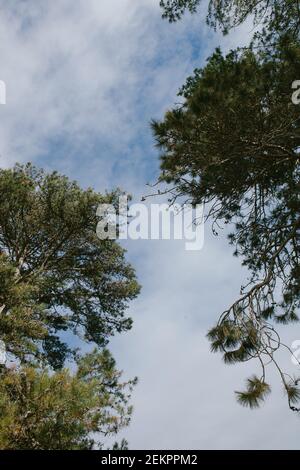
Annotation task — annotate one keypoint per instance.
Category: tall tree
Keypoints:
(56, 276)
(234, 145)
(63, 411)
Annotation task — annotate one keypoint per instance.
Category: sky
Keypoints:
(84, 78)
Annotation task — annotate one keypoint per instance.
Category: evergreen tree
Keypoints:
(282, 16)
(63, 411)
(56, 276)
(234, 145)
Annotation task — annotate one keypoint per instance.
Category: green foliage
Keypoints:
(257, 391)
(271, 16)
(233, 144)
(293, 393)
(174, 9)
(56, 275)
(123, 445)
(63, 411)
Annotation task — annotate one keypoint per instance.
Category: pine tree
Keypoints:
(42, 410)
(58, 279)
(233, 145)
(56, 275)
(270, 16)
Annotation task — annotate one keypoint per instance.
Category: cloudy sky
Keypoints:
(84, 78)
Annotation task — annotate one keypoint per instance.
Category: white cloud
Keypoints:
(83, 80)
(185, 398)
(79, 72)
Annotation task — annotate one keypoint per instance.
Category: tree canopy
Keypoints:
(56, 275)
(58, 279)
(280, 16)
(63, 411)
(233, 145)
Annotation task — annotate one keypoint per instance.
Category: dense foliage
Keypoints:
(272, 17)
(56, 275)
(234, 145)
(63, 411)
(57, 280)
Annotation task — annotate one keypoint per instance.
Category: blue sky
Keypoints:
(84, 78)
